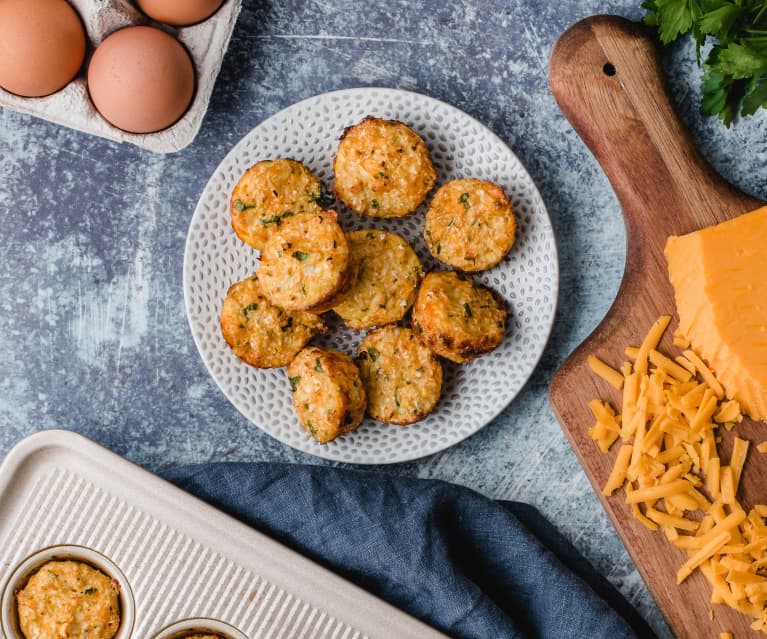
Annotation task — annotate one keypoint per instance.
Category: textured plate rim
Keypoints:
(322, 452)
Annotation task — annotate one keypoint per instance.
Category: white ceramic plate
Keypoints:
(473, 394)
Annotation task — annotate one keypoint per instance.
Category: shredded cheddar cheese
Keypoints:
(676, 479)
(607, 373)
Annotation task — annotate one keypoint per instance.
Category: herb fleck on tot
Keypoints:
(373, 353)
(253, 306)
(276, 219)
(90, 591)
(318, 365)
(464, 199)
(374, 204)
(324, 198)
(240, 206)
(294, 383)
(467, 309)
(301, 256)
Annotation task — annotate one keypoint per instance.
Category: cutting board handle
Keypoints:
(606, 76)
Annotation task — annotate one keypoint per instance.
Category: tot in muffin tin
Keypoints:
(260, 333)
(385, 287)
(67, 591)
(328, 393)
(457, 319)
(382, 168)
(306, 262)
(470, 224)
(69, 595)
(402, 378)
(269, 192)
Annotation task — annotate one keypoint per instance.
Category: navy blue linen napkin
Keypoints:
(471, 567)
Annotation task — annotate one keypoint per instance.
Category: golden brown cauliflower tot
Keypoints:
(69, 599)
(306, 263)
(470, 225)
(260, 333)
(402, 378)
(268, 193)
(382, 168)
(389, 274)
(328, 394)
(456, 319)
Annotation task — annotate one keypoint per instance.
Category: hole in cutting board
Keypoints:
(609, 69)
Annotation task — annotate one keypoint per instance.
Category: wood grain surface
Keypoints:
(606, 76)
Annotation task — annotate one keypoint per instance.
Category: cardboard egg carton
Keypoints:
(206, 43)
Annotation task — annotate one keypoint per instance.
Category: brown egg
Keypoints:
(141, 79)
(42, 46)
(179, 12)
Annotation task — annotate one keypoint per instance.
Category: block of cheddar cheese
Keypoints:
(719, 275)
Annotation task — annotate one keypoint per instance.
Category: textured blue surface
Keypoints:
(92, 329)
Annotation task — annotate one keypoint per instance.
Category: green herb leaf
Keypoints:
(374, 204)
(253, 306)
(90, 591)
(301, 256)
(276, 219)
(240, 206)
(318, 365)
(464, 199)
(294, 383)
(373, 353)
(740, 61)
(467, 309)
(736, 67)
(324, 197)
(756, 97)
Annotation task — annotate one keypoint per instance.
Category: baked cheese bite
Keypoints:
(457, 319)
(268, 193)
(402, 378)
(389, 272)
(470, 224)
(382, 168)
(306, 262)
(260, 333)
(69, 599)
(328, 394)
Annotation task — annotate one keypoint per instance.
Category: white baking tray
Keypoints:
(72, 107)
(185, 564)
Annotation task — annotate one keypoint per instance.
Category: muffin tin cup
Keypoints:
(188, 627)
(28, 567)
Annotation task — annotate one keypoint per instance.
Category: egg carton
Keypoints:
(182, 566)
(72, 107)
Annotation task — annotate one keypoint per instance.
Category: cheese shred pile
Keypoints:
(674, 477)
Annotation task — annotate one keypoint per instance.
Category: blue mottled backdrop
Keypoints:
(92, 329)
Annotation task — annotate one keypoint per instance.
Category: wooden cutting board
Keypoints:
(605, 74)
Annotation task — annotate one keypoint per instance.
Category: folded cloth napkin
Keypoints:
(470, 567)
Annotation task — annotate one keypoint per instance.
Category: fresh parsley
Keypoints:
(735, 70)
(294, 383)
(324, 197)
(301, 256)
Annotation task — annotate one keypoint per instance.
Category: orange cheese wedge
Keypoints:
(719, 275)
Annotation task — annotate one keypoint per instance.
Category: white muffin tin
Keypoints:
(206, 42)
(182, 565)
